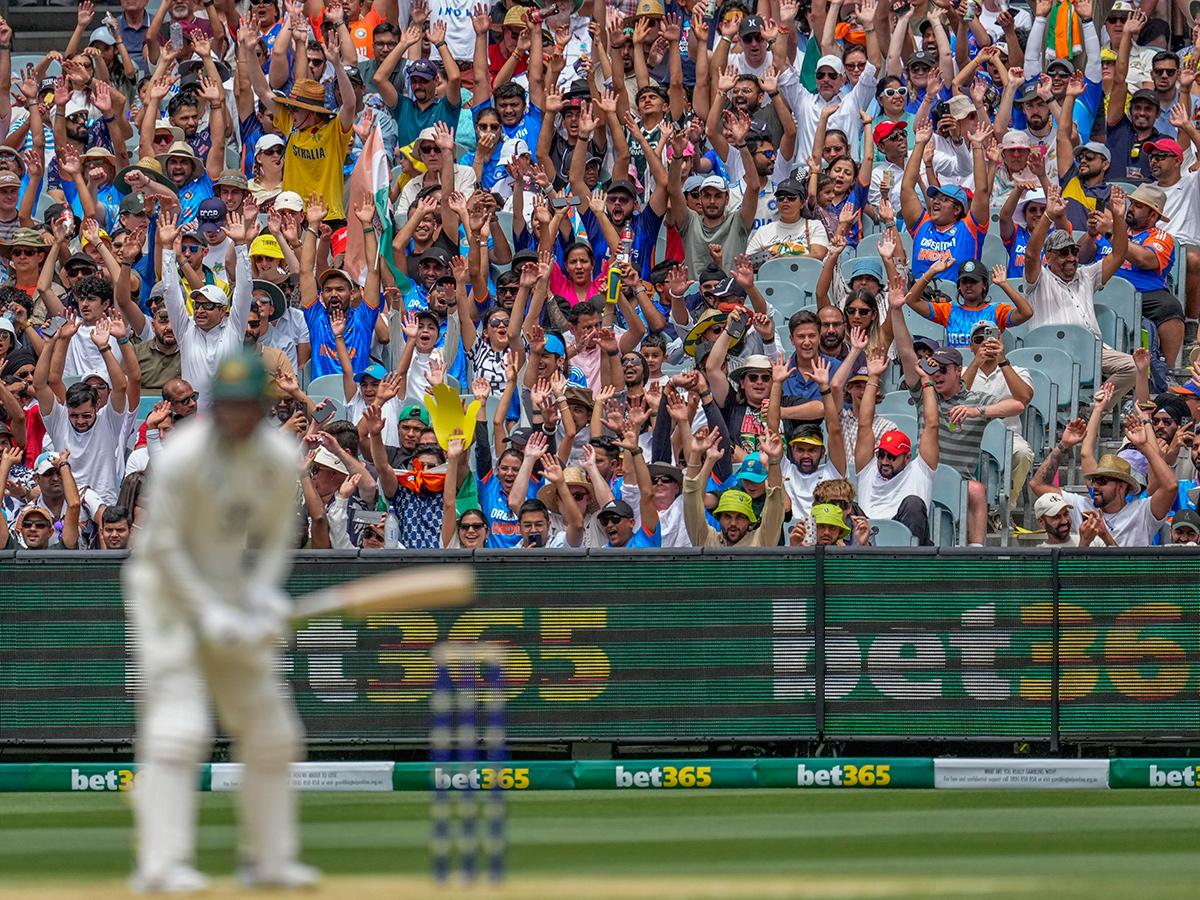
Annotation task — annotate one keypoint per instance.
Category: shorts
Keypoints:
(1161, 307)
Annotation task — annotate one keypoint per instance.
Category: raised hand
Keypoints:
(877, 362)
(315, 210)
(100, 333)
(1074, 433)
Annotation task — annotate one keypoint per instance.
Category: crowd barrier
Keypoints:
(681, 646)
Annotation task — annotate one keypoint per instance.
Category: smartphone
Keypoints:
(177, 36)
(737, 329)
(51, 328)
(535, 540)
(564, 202)
(991, 333)
(371, 517)
(323, 413)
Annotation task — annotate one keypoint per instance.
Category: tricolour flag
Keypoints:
(371, 178)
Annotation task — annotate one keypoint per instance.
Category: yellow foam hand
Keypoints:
(447, 415)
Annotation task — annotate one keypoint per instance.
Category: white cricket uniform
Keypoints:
(203, 594)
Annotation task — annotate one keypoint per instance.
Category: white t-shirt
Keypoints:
(93, 452)
(1183, 209)
(1134, 525)
(996, 386)
(215, 256)
(953, 162)
(286, 333)
(391, 417)
(881, 498)
(796, 239)
(83, 356)
(987, 19)
(799, 486)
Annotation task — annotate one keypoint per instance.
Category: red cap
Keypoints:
(337, 242)
(895, 443)
(1164, 144)
(883, 129)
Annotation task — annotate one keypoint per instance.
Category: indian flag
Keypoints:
(371, 178)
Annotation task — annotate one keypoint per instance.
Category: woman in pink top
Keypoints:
(577, 284)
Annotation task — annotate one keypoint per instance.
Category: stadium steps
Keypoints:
(39, 29)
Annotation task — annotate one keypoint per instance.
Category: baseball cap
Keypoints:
(268, 141)
(947, 356)
(7, 325)
(895, 443)
(1108, 55)
(518, 437)
(1121, 6)
(1165, 144)
(1016, 139)
(211, 293)
(80, 259)
(9, 179)
(102, 35)
(1095, 147)
(329, 461)
(1028, 92)
(886, 129)
(751, 25)
(32, 509)
(920, 58)
(289, 200)
(810, 434)
(1146, 94)
(133, 203)
(828, 514)
(436, 254)
(715, 181)
(44, 464)
(523, 256)
(413, 411)
(928, 343)
(615, 509)
(555, 345)
(1051, 504)
(1060, 238)
(974, 270)
(511, 149)
(1186, 517)
(860, 373)
(625, 186)
(729, 287)
(211, 214)
(831, 62)
(266, 245)
(375, 370)
(1065, 64)
(790, 187)
(953, 191)
(1190, 388)
(422, 68)
(694, 183)
(960, 107)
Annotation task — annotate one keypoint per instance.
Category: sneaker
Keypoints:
(290, 875)
(179, 880)
(1189, 332)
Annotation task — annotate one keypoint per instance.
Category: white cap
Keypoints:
(1051, 505)
(96, 373)
(511, 149)
(267, 141)
(103, 36)
(329, 461)
(427, 134)
(7, 325)
(1015, 139)
(833, 62)
(75, 106)
(212, 294)
(289, 200)
(715, 181)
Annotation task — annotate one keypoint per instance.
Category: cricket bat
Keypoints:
(421, 587)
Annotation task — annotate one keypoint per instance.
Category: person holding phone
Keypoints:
(991, 374)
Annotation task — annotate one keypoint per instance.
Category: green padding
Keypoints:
(520, 776)
(1154, 773)
(78, 777)
(666, 773)
(859, 772)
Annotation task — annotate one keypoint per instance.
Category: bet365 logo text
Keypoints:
(664, 777)
(1185, 777)
(847, 775)
(112, 780)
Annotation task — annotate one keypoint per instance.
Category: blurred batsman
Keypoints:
(203, 591)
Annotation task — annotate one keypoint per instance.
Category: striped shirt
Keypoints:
(958, 445)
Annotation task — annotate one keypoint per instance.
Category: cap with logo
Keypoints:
(973, 270)
(1145, 94)
(414, 411)
(289, 200)
(614, 510)
(1051, 504)
(751, 25)
(240, 377)
(828, 514)
(211, 215)
(895, 442)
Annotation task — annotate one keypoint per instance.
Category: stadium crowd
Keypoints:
(631, 275)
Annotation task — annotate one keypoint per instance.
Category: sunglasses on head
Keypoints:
(207, 305)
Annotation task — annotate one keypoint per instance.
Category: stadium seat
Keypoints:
(890, 533)
(1120, 296)
(1059, 367)
(906, 422)
(894, 403)
(994, 253)
(947, 518)
(795, 270)
(1112, 328)
(1041, 412)
(907, 243)
(919, 326)
(452, 383)
(995, 472)
(867, 246)
(327, 386)
(1080, 344)
(787, 298)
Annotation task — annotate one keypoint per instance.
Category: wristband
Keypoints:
(613, 352)
(871, 383)
(927, 384)
(705, 394)
(721, 37)
(1004, 364)
(826, 392)
(367, 230)
(123, 340)
(774, 462)
(107, 347)
(772, 94)
(982, 412)
(5, 46)
(637, 452)
(106, 120)
(440, 44)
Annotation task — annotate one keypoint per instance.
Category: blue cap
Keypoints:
(953, 191)
(375, 370)
(751, 470)
(554, 345)
(867, 266)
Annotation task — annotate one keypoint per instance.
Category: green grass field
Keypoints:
(685, 844)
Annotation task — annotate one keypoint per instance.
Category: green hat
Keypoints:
(828, 514)
(736, 502)
(707, 320)
(414, 411)
(241, 377)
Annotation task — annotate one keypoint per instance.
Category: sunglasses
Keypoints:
(884, 456)
(842, 504)
(1164, 71)
(769, 154)
(855, 66)
(80, 271)
(757, 377)
(580, 495)
(471, 526)
(662, 479)
(498, 323)
(610, 519)
(1089, 156)
(25, 251)
(1159, 157)
(190, 248)
(207, 305)
(866, 313)
(271, 151)
(917, 69)
(753, 39)
(787, 198)
(695, 195)
(162, 317)
(1100, 481)
(487, 126)
(430, 149)
(827, 76)
(1066, 252)
(189, 399)
(893, 92)
(1116, 19)
(163, 138)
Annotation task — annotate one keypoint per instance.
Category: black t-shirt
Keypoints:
(1123, 142)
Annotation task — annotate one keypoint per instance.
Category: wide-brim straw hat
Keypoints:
(306, 94)
(575, 477)
(185, 151)
(1112, 466)
(153, 170)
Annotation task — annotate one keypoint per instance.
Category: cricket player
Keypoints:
(203, 593)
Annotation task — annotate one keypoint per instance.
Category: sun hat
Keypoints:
(306, 94)
(828, 514)
(735, 501)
